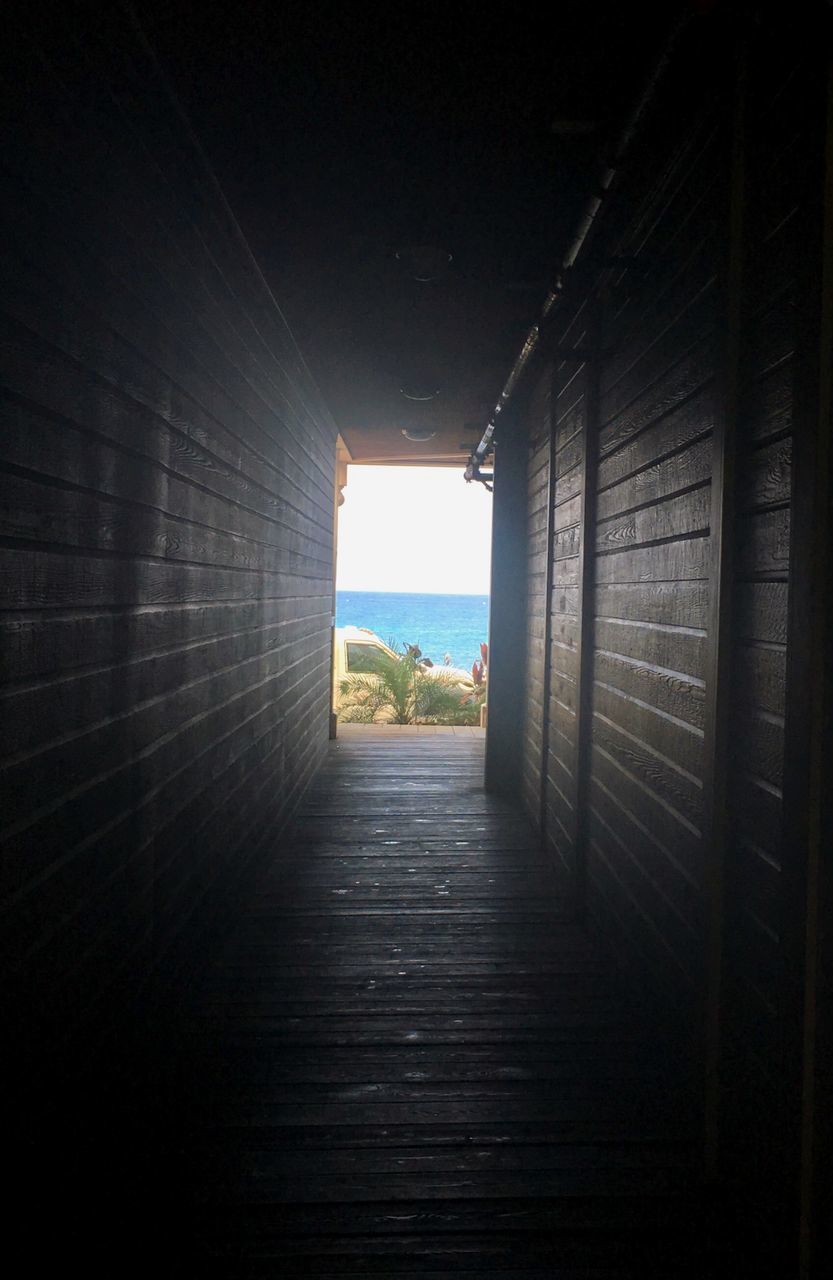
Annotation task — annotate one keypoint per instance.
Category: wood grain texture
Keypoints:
(572, 416)
(539, 525)
(650, 591)
(166, 544)
(763, 1027)
(388, 1076)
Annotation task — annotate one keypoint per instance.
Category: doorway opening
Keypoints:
(412, 599)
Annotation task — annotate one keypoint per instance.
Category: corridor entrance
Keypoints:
(420, 1066)
(586, 259)
(412, 594)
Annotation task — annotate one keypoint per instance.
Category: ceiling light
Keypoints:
(416, 392)
(416, 435)
(424, 262)
(573, 128)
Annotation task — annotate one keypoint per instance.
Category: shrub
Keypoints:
(401, 691)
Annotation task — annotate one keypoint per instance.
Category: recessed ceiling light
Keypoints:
(573, 128)
(412, 392)
(424, 262)
(417, 436)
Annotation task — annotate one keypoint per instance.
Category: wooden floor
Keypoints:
(417, 1066)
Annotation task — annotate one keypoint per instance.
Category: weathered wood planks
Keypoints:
(166, 558)
(409, 1050)
(707, 580)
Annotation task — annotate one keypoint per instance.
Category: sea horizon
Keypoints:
(442, 623)
(367, 591)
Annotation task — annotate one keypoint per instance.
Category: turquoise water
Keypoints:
(438, 624)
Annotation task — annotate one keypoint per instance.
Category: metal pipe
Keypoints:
(585, 225)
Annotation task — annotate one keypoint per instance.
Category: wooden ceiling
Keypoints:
(347, 138)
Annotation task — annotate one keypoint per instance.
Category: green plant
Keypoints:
(401, 691)
(471, 705)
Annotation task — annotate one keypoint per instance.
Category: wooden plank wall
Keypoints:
(769, 885)
(754, 959)
(538, 417)
(645, 866)
(670, 377)
(638, 840)
(568, 426)
(166, 540)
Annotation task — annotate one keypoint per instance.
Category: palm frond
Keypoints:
(403, 692)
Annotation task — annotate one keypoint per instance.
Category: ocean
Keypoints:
(438, 624)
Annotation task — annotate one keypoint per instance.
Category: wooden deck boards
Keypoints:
(415, 1065)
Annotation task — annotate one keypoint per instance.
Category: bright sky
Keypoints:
(417, 529)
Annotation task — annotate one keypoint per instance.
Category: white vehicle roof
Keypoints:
(370, 637)
(362, 633)
(357, 633)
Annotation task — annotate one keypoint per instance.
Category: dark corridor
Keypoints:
(421, 1065)
(583, 254)
(411, 1062)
